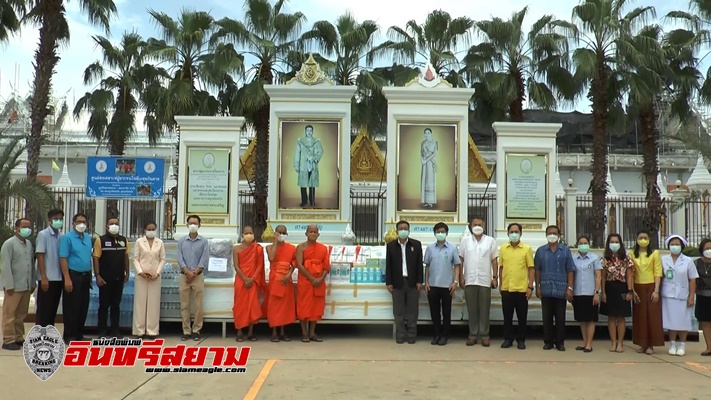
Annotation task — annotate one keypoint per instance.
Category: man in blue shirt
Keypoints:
(48, 268)
(75, 256)
(441, 279)
(555, 273)
(193, 256)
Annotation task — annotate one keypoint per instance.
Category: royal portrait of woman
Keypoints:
(428, 154)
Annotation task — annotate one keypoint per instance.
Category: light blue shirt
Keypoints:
(554, 268)
(48, 245)
(192, 253)
(77, 249)
(585, 268)
(441, 261)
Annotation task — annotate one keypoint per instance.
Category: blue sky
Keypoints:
(132, 15)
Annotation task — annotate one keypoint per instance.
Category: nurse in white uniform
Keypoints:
(677, 292)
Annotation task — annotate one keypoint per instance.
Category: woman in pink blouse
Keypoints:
(148, 259)
(617, 289)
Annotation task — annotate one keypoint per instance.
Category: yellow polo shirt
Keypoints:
(647, 267)
(515, 262)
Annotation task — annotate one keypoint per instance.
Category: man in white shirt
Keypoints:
(479, 254)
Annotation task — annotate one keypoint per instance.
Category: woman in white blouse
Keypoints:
(148, 259)
(677, 291)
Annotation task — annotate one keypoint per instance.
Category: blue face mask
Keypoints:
(614, 247)
(25, 232)
(583, 248)
(403, 234)
(675, 249)
(514, 237)
(57, 224)
(440, 236)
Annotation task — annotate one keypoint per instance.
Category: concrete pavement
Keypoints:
(363, 363)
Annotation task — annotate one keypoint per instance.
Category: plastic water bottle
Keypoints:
(371, 275)
(359, 275)
(351, 277)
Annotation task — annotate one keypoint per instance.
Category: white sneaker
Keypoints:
(681, 349)
(672, 349)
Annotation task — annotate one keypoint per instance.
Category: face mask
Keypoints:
(150, 234)
(707, 253)
(57, 224)
(440, 236)
(113, 229)
(614, 247)
(583, 248)
(281, 237)
(193, 228)
(25, 232)
(403, 234)
(248, 238)
(552, 238)
(80, 228)
(477, 230)
(514, 237)
(643, 242)
(675, 249)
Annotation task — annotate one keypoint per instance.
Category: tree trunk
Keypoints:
(516, 106)
(598, 185)
(650, 167)
(261, 171)
(46, 60)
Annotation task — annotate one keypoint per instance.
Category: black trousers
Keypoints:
(48, 302)
(308, 198)
(406, 309)
(510, 302)
(110, 295)
(440, 300)
(553, 309)
(75, 305)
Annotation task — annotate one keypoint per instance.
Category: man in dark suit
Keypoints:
(404, 276)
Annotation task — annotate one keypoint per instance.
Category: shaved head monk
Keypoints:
(312, 260)
(248, 258)
(280, 304)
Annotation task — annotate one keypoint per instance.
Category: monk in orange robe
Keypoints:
(280, 303)
(312, 260)
(248, 259)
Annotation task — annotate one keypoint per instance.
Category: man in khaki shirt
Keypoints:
(18, 282)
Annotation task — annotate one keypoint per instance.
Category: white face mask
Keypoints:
(707, 253)
(281, 237)
(552, 239)
(113, 229)
(193, 228)
(150, 234)
(477, 230)
(80, 228)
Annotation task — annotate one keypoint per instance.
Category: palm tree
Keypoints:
(515, 66)
(603, 32)
(37, 195)
(436, 41)
(51, 17)
(268, 34)
(113, 105)
(9, 21)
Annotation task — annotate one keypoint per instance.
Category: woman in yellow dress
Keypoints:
(647, 329)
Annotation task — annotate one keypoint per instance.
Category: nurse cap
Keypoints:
(681, 238)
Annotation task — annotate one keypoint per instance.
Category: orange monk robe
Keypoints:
(311, 300)
(280, 303)
(246, 309)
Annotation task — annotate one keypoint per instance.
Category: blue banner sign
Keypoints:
(125, 177)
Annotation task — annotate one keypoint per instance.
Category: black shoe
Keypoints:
(411, 341)
(399, 341)
(547, 346)
(196, 336)
(560, 347)
(506, 344)
(521, 346)
(102, 334)
(442, 341)
(11, 346)
(117, 334)
(435, 341)
(20, 342)
(579, 348)
(185, 337)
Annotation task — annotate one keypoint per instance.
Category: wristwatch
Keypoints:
(570, 288)
(496, 277)
(597, 292)
(456, 282)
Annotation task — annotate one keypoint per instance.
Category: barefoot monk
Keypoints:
(312, 260)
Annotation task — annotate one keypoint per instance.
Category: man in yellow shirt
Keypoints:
(516, 274)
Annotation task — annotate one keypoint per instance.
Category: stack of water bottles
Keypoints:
(126, 307)
(169, 294)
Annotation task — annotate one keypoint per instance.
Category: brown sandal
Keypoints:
(284, 338)
(305, 339)
(316, 339)
(275, 339)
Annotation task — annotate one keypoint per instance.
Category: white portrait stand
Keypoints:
(310, 96)
(217, 133)
(428, 99)
(525, 138)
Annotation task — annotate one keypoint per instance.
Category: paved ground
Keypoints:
(363, 363)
